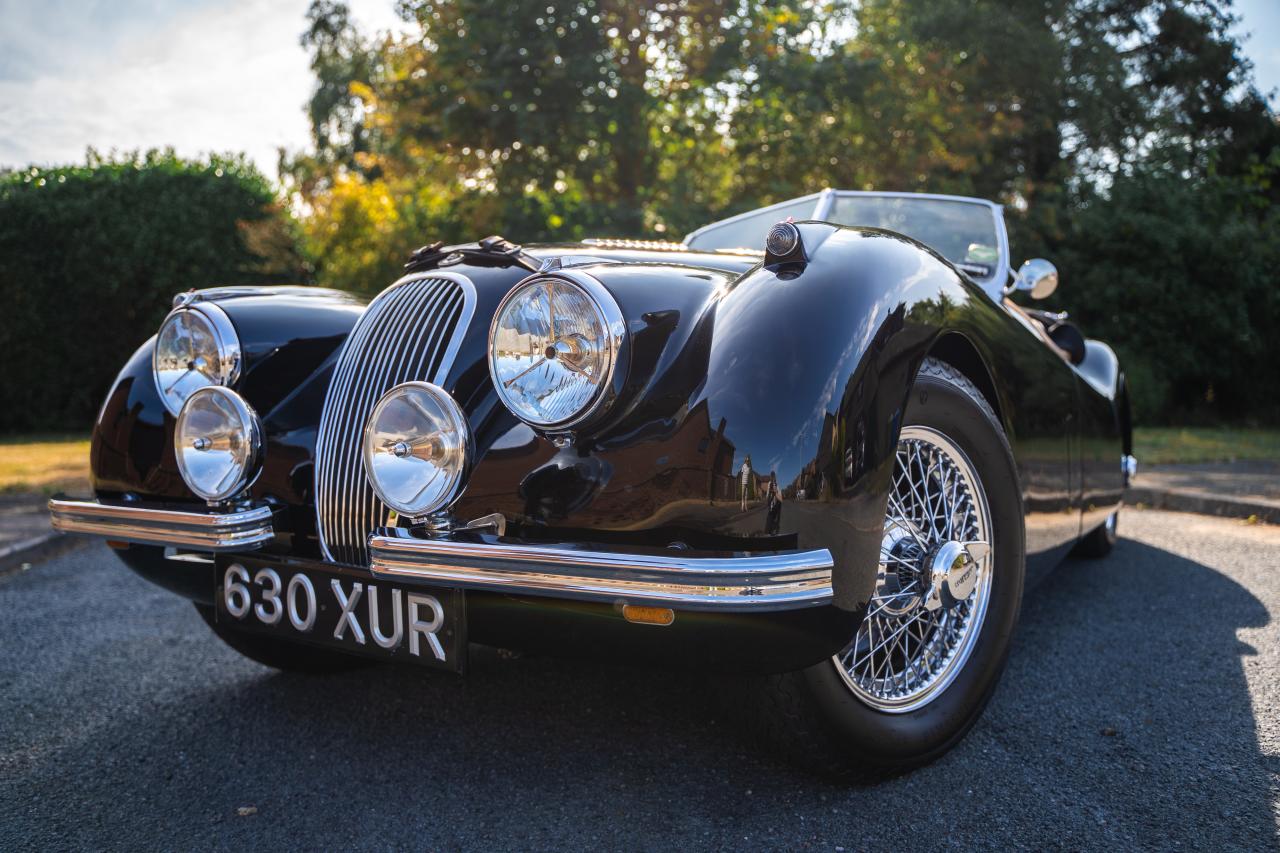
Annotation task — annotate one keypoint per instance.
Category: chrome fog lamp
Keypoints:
(415, 449)
(218, 443)
(196, 347)
(553, 348)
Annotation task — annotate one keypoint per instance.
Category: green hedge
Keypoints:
(91, 256)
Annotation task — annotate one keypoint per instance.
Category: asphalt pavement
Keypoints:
(1140, 709)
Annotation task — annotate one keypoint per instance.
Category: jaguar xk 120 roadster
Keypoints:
(817, 443)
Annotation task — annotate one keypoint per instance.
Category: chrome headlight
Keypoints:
(218, 443)
(553, 347)
(195, 348)
(415, 448)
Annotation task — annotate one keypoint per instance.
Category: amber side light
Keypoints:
(648, 615)
(117, 545)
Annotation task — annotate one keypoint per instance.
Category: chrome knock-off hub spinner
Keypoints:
(953, 573)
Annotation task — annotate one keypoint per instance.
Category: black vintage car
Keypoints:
(817, 443)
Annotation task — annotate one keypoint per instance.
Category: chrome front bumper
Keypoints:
(239, 530)
(767, 582)
(783, 581)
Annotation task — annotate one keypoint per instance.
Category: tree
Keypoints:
(1179, 276)
(343, 62)
(599, 117)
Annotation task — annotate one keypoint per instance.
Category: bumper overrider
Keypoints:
(756, 582)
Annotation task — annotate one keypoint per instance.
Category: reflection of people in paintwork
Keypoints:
(774, 502)
(744, 475)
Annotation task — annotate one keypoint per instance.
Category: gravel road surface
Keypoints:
(1140, 709)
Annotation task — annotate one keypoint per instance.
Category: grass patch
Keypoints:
(44, 464)
(1174, 445)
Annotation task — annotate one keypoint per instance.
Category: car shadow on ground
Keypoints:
(1124, 717)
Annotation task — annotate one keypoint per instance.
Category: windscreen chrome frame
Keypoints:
(825, 200)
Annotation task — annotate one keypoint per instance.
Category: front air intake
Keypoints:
(409, 331)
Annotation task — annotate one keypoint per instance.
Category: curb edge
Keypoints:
(1202, 503)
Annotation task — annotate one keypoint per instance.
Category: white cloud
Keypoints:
(200, 76)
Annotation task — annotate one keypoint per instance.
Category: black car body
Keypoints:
(581, 541)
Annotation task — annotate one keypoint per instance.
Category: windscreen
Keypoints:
(962, 232)
(748, 232)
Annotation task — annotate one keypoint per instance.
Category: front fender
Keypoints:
(288, 338)
(810, 368)
(793, 374)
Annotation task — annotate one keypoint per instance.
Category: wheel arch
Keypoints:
(955, 348)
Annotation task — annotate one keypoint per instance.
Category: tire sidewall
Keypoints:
(919, 736)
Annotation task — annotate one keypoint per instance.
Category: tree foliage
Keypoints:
(544, 119)
(1186, 290)
(91, 255)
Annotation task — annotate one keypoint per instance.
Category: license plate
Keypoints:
(342, 608)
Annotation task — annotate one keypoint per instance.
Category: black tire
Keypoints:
(1099, 542)
(812, 717)
(281, 654)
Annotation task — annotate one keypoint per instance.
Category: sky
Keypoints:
(222, 75)
(1260, 23)
(197, 75)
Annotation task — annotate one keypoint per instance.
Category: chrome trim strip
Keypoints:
(816, 198)
(239, 530)
(459, 330)
(825, 200)
(623, 243)
(767, 582)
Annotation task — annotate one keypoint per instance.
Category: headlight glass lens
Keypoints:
(552, 350)
(195, 348)
(217, 441)
(415, 448)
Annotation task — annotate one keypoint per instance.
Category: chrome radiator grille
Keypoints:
(411, 331)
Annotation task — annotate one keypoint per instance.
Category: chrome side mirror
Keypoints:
(1036, 276)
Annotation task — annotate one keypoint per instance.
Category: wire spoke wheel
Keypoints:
(933, 582)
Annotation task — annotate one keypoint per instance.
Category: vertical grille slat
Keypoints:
(411, 331)
(380, 375)
(371, 383)
(348, 406)
(429, 362)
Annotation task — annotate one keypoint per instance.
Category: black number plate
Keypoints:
(344, 608)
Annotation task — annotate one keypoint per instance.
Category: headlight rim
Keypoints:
(616, 334)
(230, 353)
(253, 429)
(459, 477)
